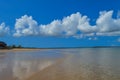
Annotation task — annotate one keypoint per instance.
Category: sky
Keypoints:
(60, 23)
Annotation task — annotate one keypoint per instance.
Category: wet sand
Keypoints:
(49, 73)
(75, 67)
(65, 71)
(20, 64)
(66, 64)
(42, 73)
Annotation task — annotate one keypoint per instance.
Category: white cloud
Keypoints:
(76, 25)
(107, 25)
(52, 29)
(26, 26)
(68, 26)
(3, 29)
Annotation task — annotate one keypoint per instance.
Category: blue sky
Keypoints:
(60, 23)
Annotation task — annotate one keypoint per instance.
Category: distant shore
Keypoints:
(31, 49)
(20, 49)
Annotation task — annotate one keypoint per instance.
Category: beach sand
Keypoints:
(84, 65)
(18, 49)
(52, 72)
(56, 72)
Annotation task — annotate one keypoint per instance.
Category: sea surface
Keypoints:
(61, 64)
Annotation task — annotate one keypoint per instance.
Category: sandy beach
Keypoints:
(75, 67)
(61, 64)
(61, 70)
(18, 49)
(53, 72)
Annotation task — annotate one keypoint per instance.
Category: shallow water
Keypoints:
(61, 64)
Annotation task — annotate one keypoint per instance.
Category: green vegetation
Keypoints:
(14, 46)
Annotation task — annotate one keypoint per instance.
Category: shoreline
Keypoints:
(33, 49)
(19, 49)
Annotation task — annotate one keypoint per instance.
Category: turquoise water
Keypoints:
(76, 64)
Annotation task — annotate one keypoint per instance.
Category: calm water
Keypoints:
(61, 64)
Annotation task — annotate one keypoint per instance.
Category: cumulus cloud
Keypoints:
(73, 25)
(52, 29)
(76, 25)
(26, 26)
(4, 30)
(107, 25)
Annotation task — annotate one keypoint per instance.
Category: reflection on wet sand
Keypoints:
(87, 65)
(23, 69)
(77, 64)
(20, 66)
(5, 67)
